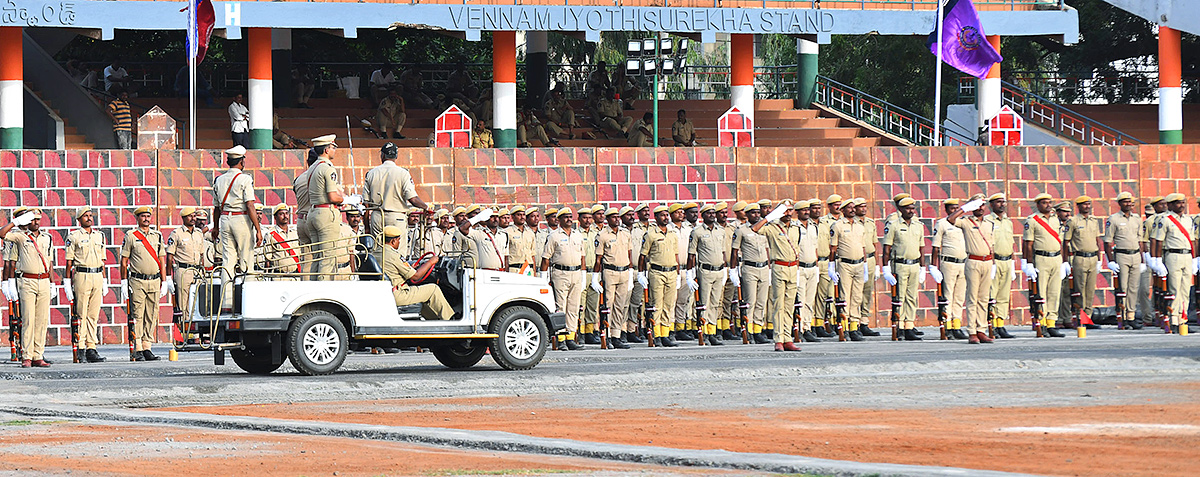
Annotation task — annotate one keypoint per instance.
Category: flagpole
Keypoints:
(937, 86)
(191, 59)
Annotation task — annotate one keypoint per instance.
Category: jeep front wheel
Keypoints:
(458, 355)
(523, 338)
(254, 360)
(317, 343)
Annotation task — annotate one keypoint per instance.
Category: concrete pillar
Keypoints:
(281, 67)
(12, 73)
(1170, 95)
(741, 76)
(987, 95)
(537, 67)
(806, 72)
(504, 88)
(259, 99)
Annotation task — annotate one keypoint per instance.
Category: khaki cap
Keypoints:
(392, 231)
(1083, 198)
(515, 209)
(706, 208)
(641, 206)
(739, 206)
(1042, 196)
(674, 207)
(503, 212)
(950, 201)
(997, 196)
(762, 203)
(528, 211)
(145, 209)
(352, 210)
(752, 206)
(800, 204)
(1156, 200)
(78, 212)
(897, 197)
(552, 211)
(976, 197)
(625, 210)
(612, 211)
(459, 210)
(1123, 196)
(1174, 197)
(279, 207)
(186, 211)
(564, 211)
(720, 206)
(473, 208)
(323, 140)
(907, 201)
(662, 208)
(1063, 206)
(833, 198)
(441, 213)
(690, 205)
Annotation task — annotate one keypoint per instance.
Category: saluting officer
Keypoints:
(142, 271)
(846, 245)
(1042, 243)
(324, 191)
(235, 217)
(564, 255)
(613, 260)
(750, 260)
(903, 241)
(185, 258)
(1171, 255)
(390, 188)
(1006, 268)
(706, 252)
(947, 265)
(33, 270)
(478, 242)
(782, 241)
(978, 237)
(807, 279)
(84, 281)
(1123, 246)
(658, 271)
(1083, 244)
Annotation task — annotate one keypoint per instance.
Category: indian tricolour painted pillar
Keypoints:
(259, 99)
(987, 98)
(1170, 95)
(12, 71)
(807, 53)
(741, 75)
(504, 88)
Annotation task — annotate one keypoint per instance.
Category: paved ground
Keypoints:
(1078, 403)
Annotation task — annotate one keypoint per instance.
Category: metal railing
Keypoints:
(892, 119)
(1111, 87)
(1051, 115)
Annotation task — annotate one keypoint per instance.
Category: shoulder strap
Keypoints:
(1182, 229)
(1049, 229)
(146, 243)
(283, 244)
(38, 249)
(228, 189)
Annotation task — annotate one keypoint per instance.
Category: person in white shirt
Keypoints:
(114, 74)
(239, 119)
(381, 82)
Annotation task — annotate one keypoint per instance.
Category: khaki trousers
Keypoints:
(428, 294)
(978, 291)
(1049, 287)
(538, 131)
(143, 307)
(756, 286)
(1145, 305)
(907, 286)
(868, 302)
(568, 289)
(1131, 281)
(850, 279)
(389, 120)
(954, 287)
(617, 294)
(1002, 290)
(1085, 270)
(806, 292)
(620, 124)
(824, 292)
(685, 304)
(728, 314)
(561, 118)
(637, 303)
(89, 295)
(324, 227)
(591, 305)
(35, 315)
(1179, 283)
(712, 288)
(663, 295)
(236, 239)
(783, 295)
(184, 277)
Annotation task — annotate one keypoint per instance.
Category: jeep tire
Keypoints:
(523, 338)
(316, 343)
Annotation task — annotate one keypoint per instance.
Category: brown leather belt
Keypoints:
(225, 212)
(35, 276)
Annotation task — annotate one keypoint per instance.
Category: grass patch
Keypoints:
(26, 422)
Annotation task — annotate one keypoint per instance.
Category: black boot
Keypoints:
(591, 338)
(617, 343)
(769, 333)
(821, 333)
(688, 335)
(658, 342)
(669, 342)
(1137, 324)
(855, 336)
(572, 345)
(950, 334)
(1003, 333)
(728, 334)
(918, 332)
(92, 356)
(760, 338)
(1054, 333)
(137, 356)
(1175, 329)
(960, 334)
(149, 356)
(809, 337)
(866, 330)
(714, 340)
(911, 335)
(632, 338)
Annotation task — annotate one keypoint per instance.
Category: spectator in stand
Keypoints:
(608, 114)
(281, 139)
(413, 91)
(597, 84)
(202, 85)
(461, 84)
(86, 77)
(683, 131)
(115, 75)
(481, 136)
(391, 114)
(559, 114)
(627, 90)
(641, 134)
(382, 81)
(122, 118)
(529, 125)
(302, 81)
(239, 119)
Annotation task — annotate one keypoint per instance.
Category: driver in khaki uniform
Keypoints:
(399, 272)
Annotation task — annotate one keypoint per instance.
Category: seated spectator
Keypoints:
(461, 83)
(481, 136)
(391, 114)
(559, 114)
(239, 121)
(528, 124)
(281, 139)
(597, 84)
(115, 75)
(683, 131)
(304, 85)
(122, 119)
(382, 80)
(607, 114)
(626, 88)
(414, 92)
(204, 89)
(641, 134)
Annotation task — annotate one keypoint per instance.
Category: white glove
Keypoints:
(166, 287)
(6, 287)
(937, 274)
(833, 274)
(1114, 266)
(735, 276)
(25, 219)
(1064, 271)
(1146, 257)
(1099, 262)
(1142, 267)
(107, 289)
(67, 287)
(1159, 267)
(887, 275)
(921, 277)
(1029, 270)
(1195, 265)
(797, 275)
(877, 272)
(691, 280)
(596, 283)
(124, 290)
(866, 272)
(629, 285)
(1012, 277)
(678, 281)
(480, 217)
(993, 274)
(776, 214)
(641, 278)
(352, 199)
(972, 205)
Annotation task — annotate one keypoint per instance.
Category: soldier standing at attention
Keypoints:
(636, 299)
(782, 241)
(1042, 243)
(685, 301)
(564, 253)
(234, 217)
(869, 240)
(1006, 268)
(658, 271)
(185, 259)
(84, 281)
(824, 284)
(849, 272)
(1172, 256)
(1082, 243)
(903, 240)
(520, 241)
(707, 269)
(613, 260)
(947, 265)
(729, 290)
(1063, 210)
(1145, 306)
(1123, 245)
(806, 283)
(751, 262)
(978, 237)
(142, 271)
(591, 298)
(390, 188)
(32, 272)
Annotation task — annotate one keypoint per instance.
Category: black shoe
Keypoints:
(855, 336)
(714, 340)
(960, 334)
(572, 345)
(911, 335)
(1137, 324)
(728, 335)
(760, 338)
(669, 342)
(950, 334)
(1092, 326)
(632, 338)
(918, 332)
(1003, 333)
(137, 356)
(591, 338)
(866, 330)
(92, 356)
(1054, 333)
(397, 135)
(809, 337)
(769, 333)
(658, 342)
(617, 343)
(149, 356)
(821, 333)
(1174, 330)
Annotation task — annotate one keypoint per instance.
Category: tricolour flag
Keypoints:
(201, 19)
(964, 44)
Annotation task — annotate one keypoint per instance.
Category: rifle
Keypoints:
(1035, 307)
(649, 316)
(14, 330)
(743, 315)
(1119, 298)
(1167, 300)
(129, 323)
(75, 322)
(1076, 299)
(942, 304)
(992, 318)
(796, 321)
(603, 312)
(830, 312)
(839, 312)
(700, 308)
(896, 312)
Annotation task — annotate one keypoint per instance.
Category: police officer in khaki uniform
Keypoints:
(824, 285)
(281, 256)
(782, 239)
(478, 242)
(728, 313)
(390, 188)
(84, 282)
(185, 259)
(591, 298)
(637, 220)
(808, 277)
(397, 269)
(903, 241)
(1171, 256)
(32, 272)
(1082, 244)
(685, 218)
(614, 273)
(1145, 304)
(706, 264)
(235, 217)
(849, 272)
(978, 237)
(948, 265)
(324, 191)
(520, 242)
(1123, 246)
(142, 271)
(1042, 241)
(658, 271)
(563, 258)
(870, 239)
(1006, 266)
(347, 263)
(752, 272)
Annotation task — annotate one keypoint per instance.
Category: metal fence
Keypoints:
(1106, 88)
(894, 120)
(1051, 115)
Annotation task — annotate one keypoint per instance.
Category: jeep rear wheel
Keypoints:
(459, 355)
(523, 338)
(254, 360)
(317, 343)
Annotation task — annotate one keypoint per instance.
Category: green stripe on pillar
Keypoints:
(1170, 137)
(504, 137)
(14, 138)
(260, 139)
(806, 71)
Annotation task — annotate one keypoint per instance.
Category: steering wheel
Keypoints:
(419, 279)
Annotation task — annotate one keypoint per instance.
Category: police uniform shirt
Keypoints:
(782, 241)
(685, 235)
(300, 187)
(1003, 233)
(86, 249)
(1167, 232)
(751, 246)
(33, 251)
(396, 268)
(240, 189)
(564, 249)
(683, 130)
(187, 247)
(322, 179)
(140, 260)
(589, 247)
(869, 237)
(978, 235)
(479, 246)
(807, 245)
(949, 239)
(613, 247)
(824, 224)
(1082, 232)
(637, 235)
(708, 245)
(390, 187)
(905, 238)
(1043, 240)
(661, 247)
(846, 237)
(280, 250)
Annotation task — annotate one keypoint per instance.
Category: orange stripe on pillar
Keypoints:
(259, 49)
(504, 62)
(12, 67)
(1169, 70)
(741, 59)
(994, 72)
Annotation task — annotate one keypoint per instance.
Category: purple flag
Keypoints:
(964, 45)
